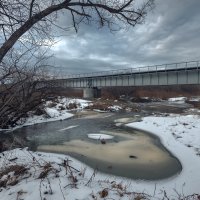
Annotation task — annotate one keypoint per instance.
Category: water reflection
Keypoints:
(134, 155)
(131, 153)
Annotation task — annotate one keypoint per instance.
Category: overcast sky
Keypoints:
(171, 33)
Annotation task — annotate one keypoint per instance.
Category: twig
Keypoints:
(165, 195)
(154, 193)
(91, 178)
(51, 191)
(40, 190)
(70, 184)
(61, 189)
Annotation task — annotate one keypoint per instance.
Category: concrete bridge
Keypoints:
(167, 74)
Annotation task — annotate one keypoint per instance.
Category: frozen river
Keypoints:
(131, 153)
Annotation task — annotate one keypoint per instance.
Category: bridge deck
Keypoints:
(141, 70)
(168, 74)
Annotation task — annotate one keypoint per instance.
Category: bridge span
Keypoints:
(167, 74)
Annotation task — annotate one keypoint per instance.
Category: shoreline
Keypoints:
(184, 183)
(185, 155)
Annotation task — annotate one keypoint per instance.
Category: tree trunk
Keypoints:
(26, 26)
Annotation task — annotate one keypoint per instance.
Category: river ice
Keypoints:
(179, 133)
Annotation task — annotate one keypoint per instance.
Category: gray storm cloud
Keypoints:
(170, 34)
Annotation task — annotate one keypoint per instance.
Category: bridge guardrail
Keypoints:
(154, 68)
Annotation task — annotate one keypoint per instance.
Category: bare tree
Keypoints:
(34, 18)
(25, 27)
(18, 86)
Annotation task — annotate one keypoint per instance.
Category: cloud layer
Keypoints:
(171, 33)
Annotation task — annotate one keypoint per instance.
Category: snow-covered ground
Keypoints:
(53, 115)
(48, 176)
(54, 110)
(177, 99)
(183, 99)
(114, 108)
(57, 110)
(180, 135)
(80, 103)
(195, 98)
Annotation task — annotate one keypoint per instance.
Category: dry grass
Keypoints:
(5, 177)
(99, 106)
(45, 170)
(13, 174)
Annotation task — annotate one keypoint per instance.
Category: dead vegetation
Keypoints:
(11, 142)
(163, 92)
(46, 174)
(72, 106)
(106, 105)
(103, 106)
(11, 175)
(45, 170)
(195, 104)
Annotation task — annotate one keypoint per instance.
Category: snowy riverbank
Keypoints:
(57, 110)
(53, 110)
(48, 176)
(181, 136)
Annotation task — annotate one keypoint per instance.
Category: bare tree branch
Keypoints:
(106, 11)
(25, 27)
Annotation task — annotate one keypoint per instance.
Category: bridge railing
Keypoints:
(154, 68)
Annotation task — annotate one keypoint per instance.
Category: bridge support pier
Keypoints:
(90, 93)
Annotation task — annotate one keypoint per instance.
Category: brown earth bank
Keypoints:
(68, 92)
(162, 92)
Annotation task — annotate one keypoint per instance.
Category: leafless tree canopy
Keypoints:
(25, 26)
(18, 86)
(33, 19)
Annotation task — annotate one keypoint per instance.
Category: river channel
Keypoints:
(130, 153)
